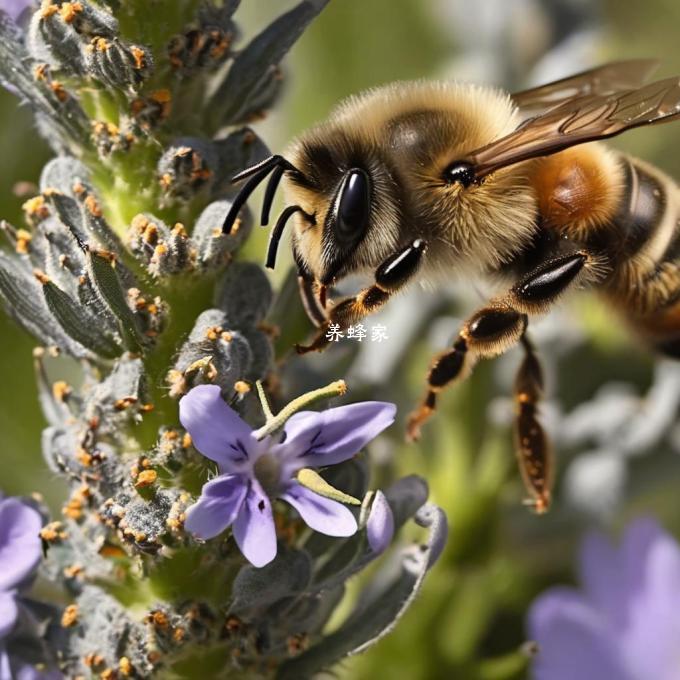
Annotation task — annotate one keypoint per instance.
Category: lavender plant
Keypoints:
(122, 266)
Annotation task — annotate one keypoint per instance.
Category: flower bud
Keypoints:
(118, 64)
(186, 167)
(165, 251)
(212, 245)
(207, 43)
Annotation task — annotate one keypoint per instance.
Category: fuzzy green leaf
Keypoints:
(82, 326)
(107, 283)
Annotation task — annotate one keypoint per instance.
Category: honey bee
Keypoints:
(424, 180)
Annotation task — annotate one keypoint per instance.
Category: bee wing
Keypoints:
(607, 79)
(582, 119)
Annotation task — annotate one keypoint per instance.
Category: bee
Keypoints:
(422, 180)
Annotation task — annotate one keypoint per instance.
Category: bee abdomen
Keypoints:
(646, 282)
(645, 220)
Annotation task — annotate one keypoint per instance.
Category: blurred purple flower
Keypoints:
(625, 622)
(20, 548)
(380, 524)
(253, 473)
(14, 8)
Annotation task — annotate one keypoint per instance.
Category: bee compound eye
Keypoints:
(460, 172)
(354, 204)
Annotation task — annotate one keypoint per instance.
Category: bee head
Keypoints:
(349, 189)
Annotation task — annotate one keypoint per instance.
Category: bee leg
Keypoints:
(487, 333)
(390, 276)
(315, 313)
(307, 288)
(534, 452)
(495, 328)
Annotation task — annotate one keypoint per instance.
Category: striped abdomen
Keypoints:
(626, 212)
(645, 254)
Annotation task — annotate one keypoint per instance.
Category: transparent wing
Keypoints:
(582, 119)
(604, 80)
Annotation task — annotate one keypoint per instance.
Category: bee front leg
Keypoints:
(310, 301)
(394, 273)
(497, 327)
(307, 288)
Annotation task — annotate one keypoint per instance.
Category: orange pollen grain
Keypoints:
(61, 390)
(84, 458)
(41, 276)
(69, 11)
(59, 90)
(146, 478)
(93, 660)
(47, 10)
(241, 387)
(24, 239)
(41, 71)
(93, 206)
(100, 44)
(70, 616)
(35, 206)
(52, 532)
(139, 57)
(125, 667)
(74, 571)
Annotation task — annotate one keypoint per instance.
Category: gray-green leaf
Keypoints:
(287, 575)
(77, 321)
(252, 68)
(378, 612)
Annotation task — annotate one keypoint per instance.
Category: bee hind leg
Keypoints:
(533, 449)
(392, 275)
(495, 328)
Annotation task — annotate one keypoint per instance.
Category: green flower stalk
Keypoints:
(123, 266)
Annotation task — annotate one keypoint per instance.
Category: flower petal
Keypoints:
(603, 577)
(331, 436)
(321, 514)
(573, 640)
(217, 431)
(14, 8)
(20, 545)
(5, 670)
(216, 509)
(380, 523)
(649, 642)
(254, 529)
(8, 614)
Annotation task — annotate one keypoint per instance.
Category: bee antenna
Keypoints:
(256, 173)
(277, 232)
(270, 192)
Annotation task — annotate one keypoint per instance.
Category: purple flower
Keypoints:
(625, 622)
(20, 548)
(380, 524)
(253, 473)
(14, 9)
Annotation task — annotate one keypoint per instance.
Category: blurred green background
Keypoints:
(468, 622)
